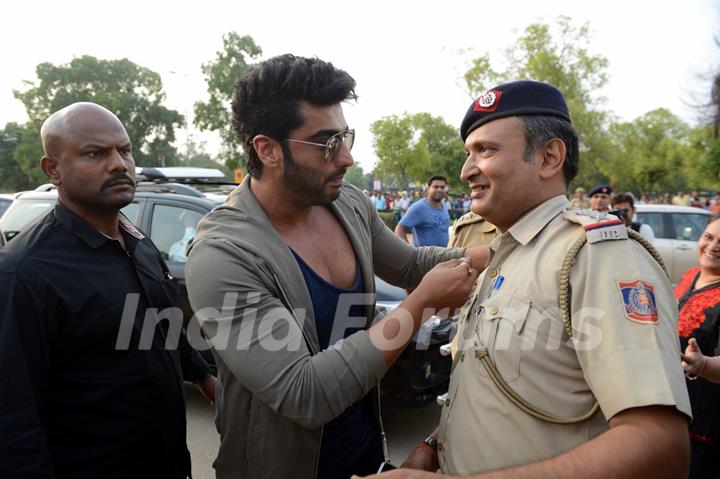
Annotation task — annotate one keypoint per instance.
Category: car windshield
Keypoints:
(22, 213)
(689, 227)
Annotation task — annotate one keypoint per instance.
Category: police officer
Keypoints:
(535, 391)
(600, 197)
(472, 229)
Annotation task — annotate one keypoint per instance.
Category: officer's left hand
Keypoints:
(406, 474)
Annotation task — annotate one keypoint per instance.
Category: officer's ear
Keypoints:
(268, 150)
(553, 158)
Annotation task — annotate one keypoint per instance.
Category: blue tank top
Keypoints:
(346, 437)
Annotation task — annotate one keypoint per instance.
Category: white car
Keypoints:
(5, 202)
(677, 229)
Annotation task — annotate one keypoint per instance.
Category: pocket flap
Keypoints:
(508, 306)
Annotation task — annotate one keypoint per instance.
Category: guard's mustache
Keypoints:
(117, 178)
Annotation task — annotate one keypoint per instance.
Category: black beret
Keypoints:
(516, 98)
(600, 189)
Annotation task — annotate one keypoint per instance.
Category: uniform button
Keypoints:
(494, 310)
(462, 357)
(493, 272)
(440, 447)
(447, 402)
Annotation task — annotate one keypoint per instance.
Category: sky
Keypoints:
(406, 56)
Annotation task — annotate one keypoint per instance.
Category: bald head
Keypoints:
(88, 157)
(73, 122)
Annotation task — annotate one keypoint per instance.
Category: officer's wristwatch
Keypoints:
(431, 441)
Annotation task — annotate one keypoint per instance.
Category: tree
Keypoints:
(215, 114)
(651, 153)
(356, 176)
(134, 93)
(704, 165)
(12, 177)
(558, 55)
(412, 148)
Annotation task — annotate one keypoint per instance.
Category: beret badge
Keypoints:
(488, 101)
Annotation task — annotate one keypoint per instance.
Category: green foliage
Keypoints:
(390, 218)
(650, 153)
(557, 54)
(134, 93)
(356, 176)
(703, 164)
(229, 64)
(12, 177)
(415, 147)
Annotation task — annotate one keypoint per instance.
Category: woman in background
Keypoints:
(698, 294)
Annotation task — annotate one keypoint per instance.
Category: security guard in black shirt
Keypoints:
(81, 396)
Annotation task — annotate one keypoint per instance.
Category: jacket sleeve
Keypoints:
(25, 360)
(260, 339)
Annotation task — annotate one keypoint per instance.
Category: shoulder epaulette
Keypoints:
(469, 218)
(598, 225)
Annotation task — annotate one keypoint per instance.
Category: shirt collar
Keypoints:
(535, 220)
(86, 232)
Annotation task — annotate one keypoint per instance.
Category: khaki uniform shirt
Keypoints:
(472, 230)
(580, 203)
(624, 352)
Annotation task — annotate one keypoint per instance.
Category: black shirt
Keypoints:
(80, 397)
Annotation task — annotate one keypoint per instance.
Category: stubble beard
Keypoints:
(305, 183)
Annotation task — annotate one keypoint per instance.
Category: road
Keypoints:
(405, 428)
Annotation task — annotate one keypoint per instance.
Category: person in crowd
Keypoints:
(696, 201)
(567, 365)
(579, 200)
(698, 295)
(403, 203)
(714, 204)
(295, 249)
(428, 219)
(378, 200)
(83, 393)
(600, 198)
(624, 204)
(472, 229)
(681, 199)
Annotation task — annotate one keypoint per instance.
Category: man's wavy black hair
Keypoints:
(267, 96)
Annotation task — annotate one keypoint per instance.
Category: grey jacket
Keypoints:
(276, 389)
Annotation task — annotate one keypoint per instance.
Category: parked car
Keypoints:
(169, 206)
(677, 229)
(421, 372)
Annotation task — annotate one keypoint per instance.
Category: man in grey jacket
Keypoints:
(281, 279)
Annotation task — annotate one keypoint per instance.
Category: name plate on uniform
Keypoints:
(606, 231)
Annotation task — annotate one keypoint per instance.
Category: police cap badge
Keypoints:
(516, 98)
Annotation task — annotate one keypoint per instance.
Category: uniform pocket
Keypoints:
(504, 318)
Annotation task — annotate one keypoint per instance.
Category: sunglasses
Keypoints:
(333, 144)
